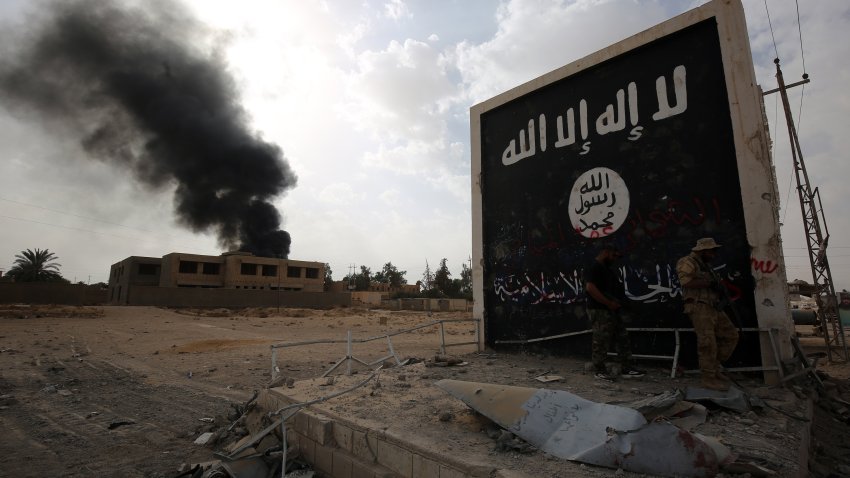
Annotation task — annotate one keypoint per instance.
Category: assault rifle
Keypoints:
(724, 301)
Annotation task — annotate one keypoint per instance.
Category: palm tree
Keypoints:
(35, 266)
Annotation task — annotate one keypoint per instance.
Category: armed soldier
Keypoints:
(604, 301)
(704, 304)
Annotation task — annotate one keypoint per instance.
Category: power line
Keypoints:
(805, 75)
(770, 24)
(800, 30)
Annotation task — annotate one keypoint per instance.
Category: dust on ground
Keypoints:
(122, 391)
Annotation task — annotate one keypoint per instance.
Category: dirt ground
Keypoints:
(124, 391)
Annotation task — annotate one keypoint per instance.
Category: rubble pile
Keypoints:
(829, 454)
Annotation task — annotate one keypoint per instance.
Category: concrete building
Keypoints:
(228, 272)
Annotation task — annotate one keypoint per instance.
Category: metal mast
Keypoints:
(817, 235)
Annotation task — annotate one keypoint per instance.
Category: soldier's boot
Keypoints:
(708, 371)
(711, 382)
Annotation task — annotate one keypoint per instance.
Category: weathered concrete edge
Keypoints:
(269, 397)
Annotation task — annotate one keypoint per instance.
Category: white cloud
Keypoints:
(340, 194)
(391, 197)
(395, 94)
(396, 10)
(536, 36)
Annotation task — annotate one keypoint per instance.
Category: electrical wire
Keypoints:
(770, 24)
(776, 108)
(805, 75)
(800, 30)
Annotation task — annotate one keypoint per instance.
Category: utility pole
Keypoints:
(817, 234)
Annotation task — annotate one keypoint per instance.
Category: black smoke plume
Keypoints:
(144, 87)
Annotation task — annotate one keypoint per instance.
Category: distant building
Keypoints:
(229, 271)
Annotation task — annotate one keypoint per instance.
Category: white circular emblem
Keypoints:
(599, 203)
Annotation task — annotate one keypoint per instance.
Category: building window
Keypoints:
(148, 269)
(293, 272)
(269, 271)
(211, 268)
(249, 269)
(312, 273)
(188, 267)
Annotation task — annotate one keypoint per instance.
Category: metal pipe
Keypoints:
(274, 364)
(461, 343)
(392, 351)
(541, 339)
(348, 354)
(369, 339)
(676, 355)
(283, 455)
(656, 357)
(442, 339)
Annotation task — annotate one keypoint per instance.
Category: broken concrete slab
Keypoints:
(670, 405)
(204, 438)
(733, 399)
(655, 405)
(253, 467)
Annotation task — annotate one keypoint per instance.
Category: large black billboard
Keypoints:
(637, 150)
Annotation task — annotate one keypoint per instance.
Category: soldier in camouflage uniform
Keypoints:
(716, 336)
(604, 293)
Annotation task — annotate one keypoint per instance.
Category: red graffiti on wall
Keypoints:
(606, 231)
(763, 266)
(657, 222)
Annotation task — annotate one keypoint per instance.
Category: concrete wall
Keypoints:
(341, 286)
(435, 305)
(199, 297)
(46, 293)
(368, 298)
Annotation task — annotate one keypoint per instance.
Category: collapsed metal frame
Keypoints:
(291, 410)
(772, 333)
(816, 232)
(349, 341)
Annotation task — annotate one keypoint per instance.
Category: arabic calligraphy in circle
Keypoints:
(599, 203)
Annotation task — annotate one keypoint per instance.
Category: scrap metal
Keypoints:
(577, 429)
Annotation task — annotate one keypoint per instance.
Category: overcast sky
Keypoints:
(369, 102)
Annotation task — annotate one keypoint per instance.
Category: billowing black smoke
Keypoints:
(140, 89)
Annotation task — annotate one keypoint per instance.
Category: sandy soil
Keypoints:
(122, 391)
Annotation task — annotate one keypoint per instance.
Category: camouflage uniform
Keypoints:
(608, 326)
(608, 329)
(716, 336)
